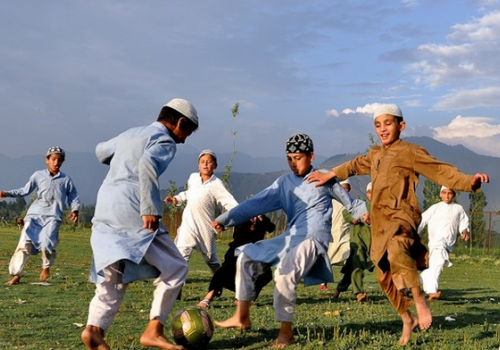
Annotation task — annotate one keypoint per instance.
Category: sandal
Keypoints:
(204, 304)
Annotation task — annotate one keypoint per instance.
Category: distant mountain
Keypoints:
(249, 175)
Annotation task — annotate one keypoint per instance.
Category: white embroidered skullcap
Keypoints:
(369, 187)
(389, 108)
(55, 150)
(346, 181)
(445, 188)
(185, 108)
(208, 151)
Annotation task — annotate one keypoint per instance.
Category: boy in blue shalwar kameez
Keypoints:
(301, 251)
(129, 241)
(40, 232)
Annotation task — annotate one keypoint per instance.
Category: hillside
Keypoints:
(249, 175)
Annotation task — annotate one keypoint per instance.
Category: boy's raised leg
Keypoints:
(153, 337)
(93, 338)
(45, 274)
(240, 319)
(13, 281)
(285, 337)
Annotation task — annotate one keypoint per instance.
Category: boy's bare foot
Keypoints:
(15, 280)
(44, 275)
(409, 324)
(361, 297)
(434, 296)
(204, 304)
(423, 312)
(153, 337)
(234, 322)
(285, 337)
(93, 338)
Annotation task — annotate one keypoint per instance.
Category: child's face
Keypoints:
(207, 165)
(54, 162)
(300, 163)
(447, 196)
(388, 128)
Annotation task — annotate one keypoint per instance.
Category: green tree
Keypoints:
(431, 194)
(229, 167)
(477, 224)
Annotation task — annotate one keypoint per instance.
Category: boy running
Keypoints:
(444, 220)
(41, 225)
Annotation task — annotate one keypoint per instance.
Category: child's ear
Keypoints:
(402, 126)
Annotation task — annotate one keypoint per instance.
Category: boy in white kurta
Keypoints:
(205, 194)
(443, 220)
(41, 225)
(129, 241)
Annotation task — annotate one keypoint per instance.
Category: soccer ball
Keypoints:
(192, 328)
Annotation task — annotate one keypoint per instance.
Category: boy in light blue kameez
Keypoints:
(129, 241)
(301, 251)
(43, 219)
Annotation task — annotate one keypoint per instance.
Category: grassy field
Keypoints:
(52, 317)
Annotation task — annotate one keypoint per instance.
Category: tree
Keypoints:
(477, 224)
(227, 172)
(431, 194)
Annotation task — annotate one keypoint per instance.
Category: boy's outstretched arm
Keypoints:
(478, 179)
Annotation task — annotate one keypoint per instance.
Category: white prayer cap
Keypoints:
(346, 181)
(185, 108)
(389, 108)
(207, 151)
(446, 188)
(369, 187)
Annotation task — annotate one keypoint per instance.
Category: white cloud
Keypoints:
(470, 56)
(480, 134)
(464, 99)
(333, 113)
(481, 127)
(368, 108)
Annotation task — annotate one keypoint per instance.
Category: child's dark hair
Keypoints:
(172, 116)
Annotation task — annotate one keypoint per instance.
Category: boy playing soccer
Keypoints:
(396, 248)
(41, 225)
(300, 252)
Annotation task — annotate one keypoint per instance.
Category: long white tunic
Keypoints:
(204, 200)
(131, 189)
(444, 222)
(53, 193)
(309, 214)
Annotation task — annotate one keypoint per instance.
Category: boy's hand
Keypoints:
(217, 226)
(171, 200)
(465, 235)
(320, 177)
(366, 219)
(151, 222)
(478, 179)
(3, 194)
(73, 216)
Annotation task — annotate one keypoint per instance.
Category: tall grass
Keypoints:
(52, 317)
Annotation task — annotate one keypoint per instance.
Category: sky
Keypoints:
(75, 73)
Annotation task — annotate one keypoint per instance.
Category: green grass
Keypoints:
(52, 317)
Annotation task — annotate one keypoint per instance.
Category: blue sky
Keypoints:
(74, 73)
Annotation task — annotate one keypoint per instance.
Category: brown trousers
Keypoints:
(398, 269)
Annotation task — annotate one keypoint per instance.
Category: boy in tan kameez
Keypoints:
(396, 248)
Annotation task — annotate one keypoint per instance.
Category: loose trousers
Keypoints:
(162, 254)
(289, 272)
